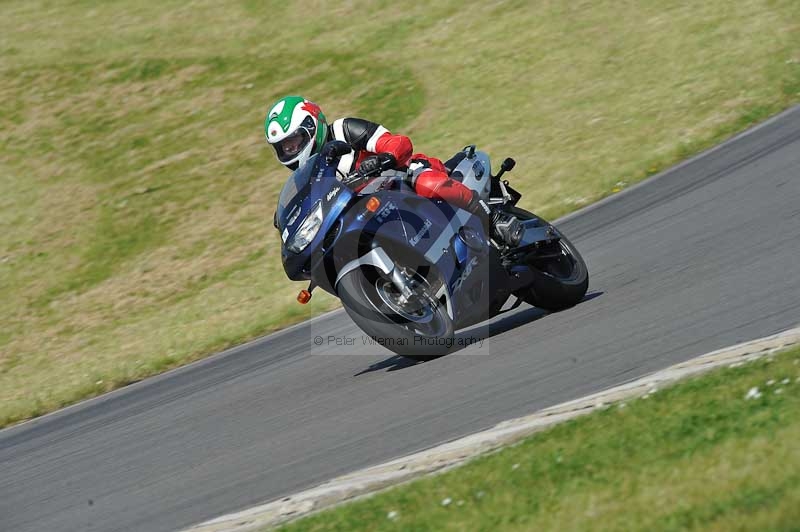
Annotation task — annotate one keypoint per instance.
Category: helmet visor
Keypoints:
(290, 147)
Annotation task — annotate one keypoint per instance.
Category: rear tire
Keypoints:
(558, 283)
(423, 333)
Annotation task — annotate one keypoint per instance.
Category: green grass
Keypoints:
(696, 456)
(136, 190)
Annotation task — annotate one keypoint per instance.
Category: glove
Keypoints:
(375, 164)
(334, 149)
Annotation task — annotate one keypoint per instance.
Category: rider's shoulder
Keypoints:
(354, 130)
(355, 122)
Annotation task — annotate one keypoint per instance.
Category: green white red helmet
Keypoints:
(296, 128)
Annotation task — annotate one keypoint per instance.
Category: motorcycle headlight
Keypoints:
(307, 230)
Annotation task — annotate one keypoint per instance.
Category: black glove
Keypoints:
(375, 164)
(334, 149)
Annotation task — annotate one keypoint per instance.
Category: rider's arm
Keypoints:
(363, 135)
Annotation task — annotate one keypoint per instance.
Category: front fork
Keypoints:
(401, 282)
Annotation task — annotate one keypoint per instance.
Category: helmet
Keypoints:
(296, 128)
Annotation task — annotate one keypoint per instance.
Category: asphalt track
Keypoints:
(701, 257)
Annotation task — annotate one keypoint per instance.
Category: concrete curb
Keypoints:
(448, 455)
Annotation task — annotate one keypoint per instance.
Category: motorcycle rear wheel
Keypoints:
(559, 282)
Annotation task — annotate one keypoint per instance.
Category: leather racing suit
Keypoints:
(427, 175)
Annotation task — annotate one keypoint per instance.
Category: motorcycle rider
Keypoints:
(297, 129)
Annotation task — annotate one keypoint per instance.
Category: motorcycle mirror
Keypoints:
(505, 166)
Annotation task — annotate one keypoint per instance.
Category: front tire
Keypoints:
(420, 330)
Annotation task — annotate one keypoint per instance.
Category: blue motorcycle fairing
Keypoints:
(419, 232)
(314, 183)
(416, 232)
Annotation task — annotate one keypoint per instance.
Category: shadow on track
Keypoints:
(512, 320)
(393, 363)
(474, 335)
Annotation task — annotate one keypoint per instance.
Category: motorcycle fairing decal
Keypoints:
(436, 250)
(463, 277)
(414, 240)
(443, 293)
(377, 257)
(384, 213)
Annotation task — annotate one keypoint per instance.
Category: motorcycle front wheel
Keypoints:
(416, 327)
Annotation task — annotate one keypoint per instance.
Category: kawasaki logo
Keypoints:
(332, 193)
(416, 238)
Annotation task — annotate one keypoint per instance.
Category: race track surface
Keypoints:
(704, 256)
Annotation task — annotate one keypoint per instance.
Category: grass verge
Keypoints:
(136, 190)
(706, 454)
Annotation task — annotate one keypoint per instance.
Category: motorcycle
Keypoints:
(409, 270)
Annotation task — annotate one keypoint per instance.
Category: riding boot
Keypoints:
(500, 225)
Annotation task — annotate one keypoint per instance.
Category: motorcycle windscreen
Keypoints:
(296, 186)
